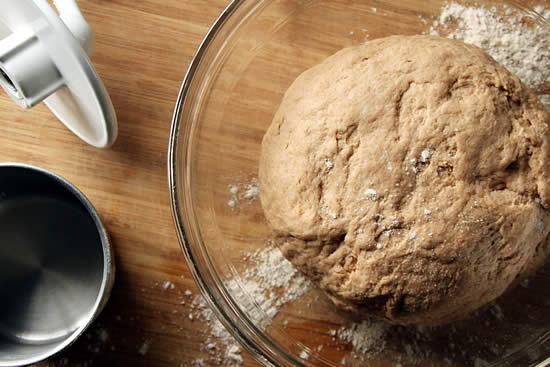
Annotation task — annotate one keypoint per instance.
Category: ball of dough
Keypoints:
(409, 178)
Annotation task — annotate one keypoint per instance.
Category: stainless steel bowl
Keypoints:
(56, 263)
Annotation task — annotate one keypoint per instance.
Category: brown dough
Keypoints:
(409, 178)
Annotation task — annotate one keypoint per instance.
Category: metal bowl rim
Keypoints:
(108, 265)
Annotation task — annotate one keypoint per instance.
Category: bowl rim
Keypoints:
(108, 274)
(259, 351)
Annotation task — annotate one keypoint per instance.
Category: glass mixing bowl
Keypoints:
(232, 89)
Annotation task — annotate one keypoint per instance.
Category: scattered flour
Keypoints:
(425, 155)
(304, 355)
(168, 285)
(251, 192)
(103, 335)
(233, 354)
(144, 348)
(273, 271)
(510, 36)
(371, 194)
(243, 191)
(220, 344)
(366, 337)
(270, 282)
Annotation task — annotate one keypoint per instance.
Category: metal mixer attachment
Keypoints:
(44, 57)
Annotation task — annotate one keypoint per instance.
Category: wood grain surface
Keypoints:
(143, 49)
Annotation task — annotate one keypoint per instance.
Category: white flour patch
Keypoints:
(425, 155)
(508, 35)
(144, 348)
(270, 282)
(168, 285)
(366, 337)
(243, 192)
(371, 194)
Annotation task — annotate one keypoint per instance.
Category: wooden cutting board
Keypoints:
(143, 49)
